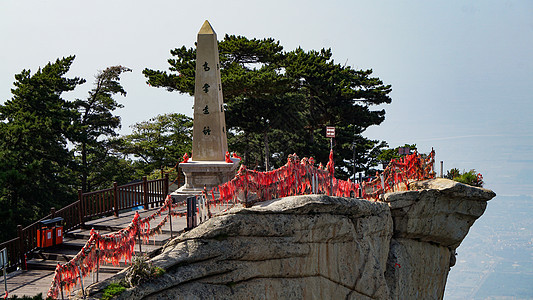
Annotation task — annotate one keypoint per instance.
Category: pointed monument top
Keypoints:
(206, 28)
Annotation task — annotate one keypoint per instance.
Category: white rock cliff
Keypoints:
(320, 247)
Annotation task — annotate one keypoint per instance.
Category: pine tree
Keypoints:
(158, 142)
(279, 102)
(96, 123)
(35, 163)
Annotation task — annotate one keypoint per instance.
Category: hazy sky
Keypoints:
(461, 71)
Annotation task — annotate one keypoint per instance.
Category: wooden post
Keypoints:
(189, 205)
(170, 215)
(206, 203)
(80, 207)
(140, 241)
(191, 212)
(115, 199)
(21, 245)
(331, 185)
(195, 206)
(245, 196)
(81, 282)
(165, 185)
(52, 212)
(145, 192)
(296, 184)
(360, 185)
(97, 261)
(61, 286)
(4, 267)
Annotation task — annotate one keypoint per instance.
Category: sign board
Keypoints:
(330, 132)
(404, 150)
(3, 258)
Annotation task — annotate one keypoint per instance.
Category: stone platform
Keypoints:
(205, 173)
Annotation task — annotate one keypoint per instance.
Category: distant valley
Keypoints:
(496, 258)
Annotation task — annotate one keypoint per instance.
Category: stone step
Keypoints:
(112, 223)
(73, 236)
(110, 228)
(44, 261)
(49, 260)
(56, 253)
(72, 243)
(44, 264)
(70, 247)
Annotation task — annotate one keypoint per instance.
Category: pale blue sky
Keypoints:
(461, 71)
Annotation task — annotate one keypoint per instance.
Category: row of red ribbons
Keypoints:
(299, 177)
(399, 173)
(108, 248)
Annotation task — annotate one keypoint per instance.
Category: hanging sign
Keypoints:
(330, 132)
(404, 150)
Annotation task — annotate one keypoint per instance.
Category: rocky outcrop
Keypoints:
(320, 247)
(430, 221)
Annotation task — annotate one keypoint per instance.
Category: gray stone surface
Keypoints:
(205, 173)
(439, 211)
(417, 270)
(320, 247)
(430, 221)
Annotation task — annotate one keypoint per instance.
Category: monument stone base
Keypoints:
(204, 173)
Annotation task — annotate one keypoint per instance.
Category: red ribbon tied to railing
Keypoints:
(109, 248)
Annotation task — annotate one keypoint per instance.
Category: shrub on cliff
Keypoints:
(142, 270)
(471, 177)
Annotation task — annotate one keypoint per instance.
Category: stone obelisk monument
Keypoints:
(209, 134)
(209, 142)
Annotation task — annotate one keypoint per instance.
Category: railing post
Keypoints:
(80, 208)
(97, 260)
(206, 203)
(81, 282)
(145, 192)
(194, 207)
(61, 283)
(140, 241)
(331, 186)
(245, 197)
(53, 215)
(165, 185)
(313, 185)
(115, 199)
(360, 192)
(170, 214)
(21, 245)
(191, 212)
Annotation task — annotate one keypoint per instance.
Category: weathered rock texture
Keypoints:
(320, 247)
(430, 221)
